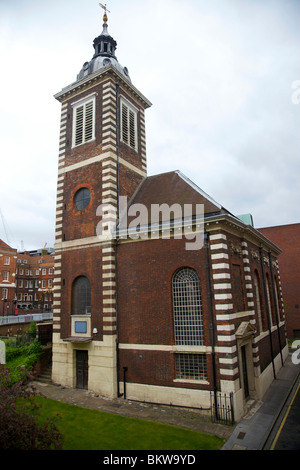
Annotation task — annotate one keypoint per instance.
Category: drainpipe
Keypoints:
(275, 301)
(125, 369)
(117, 239)
(211, 317)
(267, 308)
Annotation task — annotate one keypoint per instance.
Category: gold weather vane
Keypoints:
(105, 10)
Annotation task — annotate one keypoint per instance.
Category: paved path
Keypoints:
(254, 430)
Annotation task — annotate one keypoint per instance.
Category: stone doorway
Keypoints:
(244, 335)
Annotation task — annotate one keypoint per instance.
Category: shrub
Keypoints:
(19, 427)
(22, 358)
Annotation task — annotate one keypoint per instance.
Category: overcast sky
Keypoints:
(220, 76)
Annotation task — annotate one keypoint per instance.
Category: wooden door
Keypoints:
(82, 367)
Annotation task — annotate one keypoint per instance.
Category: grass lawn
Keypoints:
(86, 429)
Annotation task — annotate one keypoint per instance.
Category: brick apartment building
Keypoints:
(182, 321)
(26, 280)
(8, 259)
(287, 237)
(34, 281)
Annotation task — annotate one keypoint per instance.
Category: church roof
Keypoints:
(174, 188)
(170, 189)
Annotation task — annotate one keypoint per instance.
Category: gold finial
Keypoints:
(105, 10)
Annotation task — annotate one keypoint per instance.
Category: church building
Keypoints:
(160, 293)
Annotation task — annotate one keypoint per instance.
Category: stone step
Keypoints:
(45, 376)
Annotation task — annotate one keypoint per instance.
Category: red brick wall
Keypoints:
(87, 263)
(145, 306)
(82, 224)
(287, 238)
(145, 271)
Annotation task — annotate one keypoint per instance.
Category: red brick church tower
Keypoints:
(102, 156)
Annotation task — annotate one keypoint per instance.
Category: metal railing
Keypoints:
(36, 317)
(222, 407)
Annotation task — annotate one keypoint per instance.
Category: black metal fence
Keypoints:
(221, 405)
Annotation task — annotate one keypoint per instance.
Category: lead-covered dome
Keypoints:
(104, 56)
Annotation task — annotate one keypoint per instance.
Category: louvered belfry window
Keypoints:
(84, 122)
(129, 125)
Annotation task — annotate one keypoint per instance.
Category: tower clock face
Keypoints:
(106, 62)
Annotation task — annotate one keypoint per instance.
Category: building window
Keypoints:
(7, 260)
(82, 199)
(187, 308)
(269, 299)
(238, 288)
(258, 300)
(4, 294)
(81, 296)
(190, 366)
(277, 300)
(5, 275)
(84, 121)
(129, 125)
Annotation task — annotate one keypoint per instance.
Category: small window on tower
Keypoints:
(84, 121)
(82, 199)
(129, 125)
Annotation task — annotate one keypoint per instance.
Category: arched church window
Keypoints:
(81, 296)
(187, 308)
(277, 299)
(258, 300)
(269, 299)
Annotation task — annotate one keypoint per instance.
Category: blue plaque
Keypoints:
(80, 326)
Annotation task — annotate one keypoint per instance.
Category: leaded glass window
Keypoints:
(81, 296)
(187, 308)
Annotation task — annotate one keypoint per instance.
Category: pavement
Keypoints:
(257, 429)
(251, 433)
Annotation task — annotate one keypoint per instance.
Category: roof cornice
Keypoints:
(239, 226)
(97, 77)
